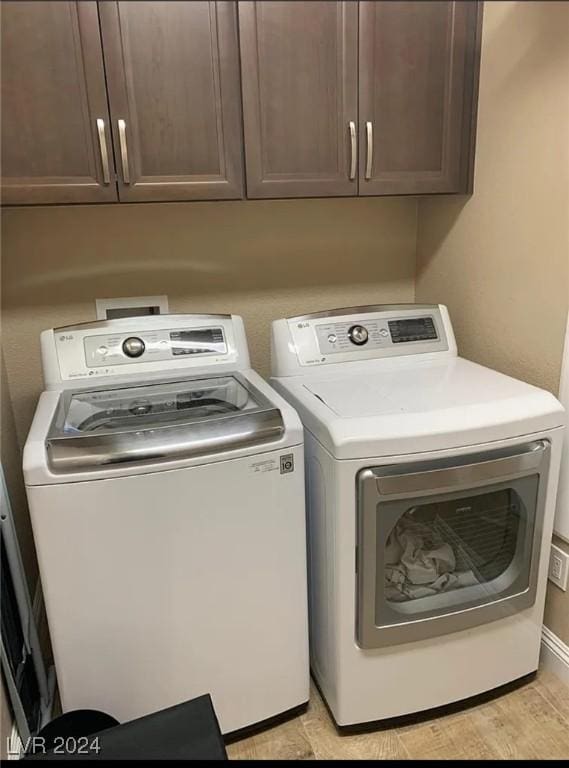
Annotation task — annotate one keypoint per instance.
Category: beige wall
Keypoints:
(264, 260)
(500, 260)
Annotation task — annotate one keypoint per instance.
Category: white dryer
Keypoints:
(165, 484)
(431, 485)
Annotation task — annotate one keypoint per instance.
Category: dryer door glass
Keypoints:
(456, 550)
(438, 558)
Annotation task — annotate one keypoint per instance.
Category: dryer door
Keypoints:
(447, 545)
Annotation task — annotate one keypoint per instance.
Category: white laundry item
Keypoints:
(425, 556)
(423, 566)
(455, 580)
(445, 583)
(395, 574)
(393, 549)
(427, 564)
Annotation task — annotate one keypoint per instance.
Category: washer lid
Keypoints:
(159, 421)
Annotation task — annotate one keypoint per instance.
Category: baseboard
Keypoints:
(554, 655)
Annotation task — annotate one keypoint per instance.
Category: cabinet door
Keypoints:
(299, 70)
(53, 95)
(418, 68)
(173, 79)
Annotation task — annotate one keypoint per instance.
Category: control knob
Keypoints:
(358, 335)
(133, 346)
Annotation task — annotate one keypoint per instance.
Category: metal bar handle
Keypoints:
(103, 151)
(490, 470)
(354, 149)
(124, 151)
(369, 156)
(166, 443)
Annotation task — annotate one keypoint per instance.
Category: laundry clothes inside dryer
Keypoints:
(449, 545)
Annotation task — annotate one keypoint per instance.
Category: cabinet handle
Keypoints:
(369, 157)
(124, 152)
(354, 149)
(103, 150)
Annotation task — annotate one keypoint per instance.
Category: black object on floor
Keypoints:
(71, 725)
(187, 731)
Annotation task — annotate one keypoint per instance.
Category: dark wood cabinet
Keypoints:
(53, 94)
(127, 100)
(173, 80)
(417, 76)
(299, 69)
(413, 72)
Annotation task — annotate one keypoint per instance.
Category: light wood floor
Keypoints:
(531, 722)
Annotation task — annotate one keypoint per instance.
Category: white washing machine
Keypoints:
(431, 486)
(166, 489)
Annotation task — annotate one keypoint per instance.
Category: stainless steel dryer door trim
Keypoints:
(397, 487)
(457, 474)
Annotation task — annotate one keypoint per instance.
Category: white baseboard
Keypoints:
(554, 655)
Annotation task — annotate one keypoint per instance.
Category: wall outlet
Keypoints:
(558, 567)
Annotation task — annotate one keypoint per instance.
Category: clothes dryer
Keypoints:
(431, 485)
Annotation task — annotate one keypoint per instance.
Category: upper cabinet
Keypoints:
(173, 79)
(215, 100)
(299, 64)
(417, 76)
(413, 72)
(56, 144)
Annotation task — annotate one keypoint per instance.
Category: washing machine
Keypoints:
(431, 485)
(166, 490)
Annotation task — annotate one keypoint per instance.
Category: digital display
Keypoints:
(198, 341)
(412, 329)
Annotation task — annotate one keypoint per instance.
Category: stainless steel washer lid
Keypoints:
(164, 421)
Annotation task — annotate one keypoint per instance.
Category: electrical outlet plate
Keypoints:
(558, 567)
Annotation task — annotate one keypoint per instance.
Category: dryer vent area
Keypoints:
(472, 545)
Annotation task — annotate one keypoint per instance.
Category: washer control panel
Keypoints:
(138, 346)
(346, 335)
(152, 346)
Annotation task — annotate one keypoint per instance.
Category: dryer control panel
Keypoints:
(161, 344)
(343, 336)
(360, 333)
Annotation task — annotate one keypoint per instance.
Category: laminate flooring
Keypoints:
(529, 722)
